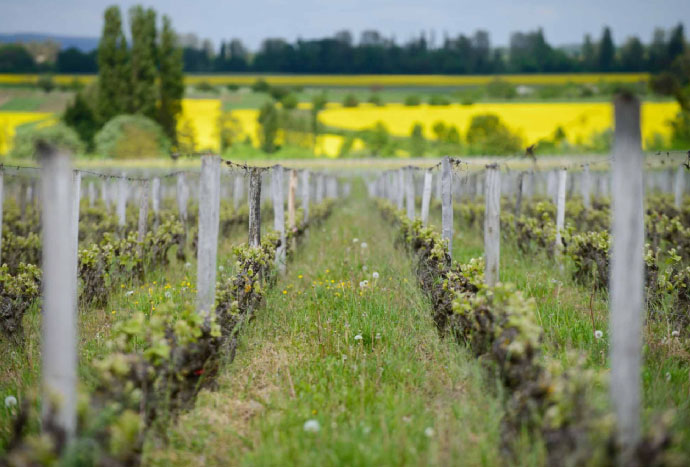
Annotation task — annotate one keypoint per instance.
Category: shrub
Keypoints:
(412, 101)
(350, 101)
(59, 135)
(232, 86)
(290, 101)
(46, 83)
(438, 100)
(488, 135)
(499, 89)
(376, 100)
(260, 85)
(205, 86)
(131, 136)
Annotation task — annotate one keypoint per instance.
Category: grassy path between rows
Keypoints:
(364, 364)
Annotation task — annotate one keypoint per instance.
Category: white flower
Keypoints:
(355, 240)
(364, 245)
(378, 335)
(429, 432)
(187, 265)
(10, 401)
(129, 293)
(363, 284)
(668, 376)
(365, 268)
(598, 334)
(221, 268)
(675, 333)
(358, 337)
(312, 426)
(168, 294)
(375, 275)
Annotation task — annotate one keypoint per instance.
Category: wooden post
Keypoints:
(279, 214)
(156, 200)
(409, 193)
(305, 195)
(679, 187)
(518, 195)
(492, 225)
(586, 187)
(143, 211)
(182, 199)
(104, 194)
(59, 343)
(76, 196)
(254, 207)
(209, 217)
(292, 191)
(426, 196)
(121, 201)
(92, 193)
(447, 204)
(319, 188)
(627, 274)
(560, 208)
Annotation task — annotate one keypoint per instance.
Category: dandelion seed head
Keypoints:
(429, 432)
(363, 244)
(129, 293)
(675, 333)
(312, 426)
(355, 240)
(375, 275)
(668, 376)
(10, 401)
(358, 337)
(598, 334)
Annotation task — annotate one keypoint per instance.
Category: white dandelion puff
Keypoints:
(312, 426)
(363, 244)
(429, 432)
(365, 268)
(358, 337)
(10, 401)
(221, 268)
(355, 240)
(668, 376)
(129, 293)
(168, 294)
(375, 275)
(598, 334)
(187, 265)
(675, 333)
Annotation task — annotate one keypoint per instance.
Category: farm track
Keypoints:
(365, 363)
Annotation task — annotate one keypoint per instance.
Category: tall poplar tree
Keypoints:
(607, 52)
(143, 61)
(113, 68)
(171, 88)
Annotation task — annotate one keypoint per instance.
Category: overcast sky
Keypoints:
(564, 22)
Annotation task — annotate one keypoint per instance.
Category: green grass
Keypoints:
(21, 104)
(399, 396)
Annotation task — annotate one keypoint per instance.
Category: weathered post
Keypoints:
(292, 191)
(447, 204)
(679, 187)
(319, 188)
(156, 200)
(76, 196)
(237, 191)
(518, 195)
(181, 196)
(143, 212)
(279, 215)
(92, 193)
(209, 217)
(586, 186)
(254, 207)
(104, 195)
(409, 193)
(400, 193)
(492, 225)
(560, 209)
(305, 195)
(59, 343)
(627, 274)
(426, 196)
(121, 201)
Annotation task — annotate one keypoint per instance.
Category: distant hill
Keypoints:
(85, 44)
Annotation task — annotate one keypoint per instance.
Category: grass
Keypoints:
(24, 104)
(399, 396)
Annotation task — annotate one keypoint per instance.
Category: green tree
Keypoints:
(607, 51)
(113, 68)
(676, 42)
(143, 61)
(417, 141)
(171, 87)
(318, 103)
(589, 54)
(80, 116)
(632, 55)
(268, 127)
(488, 135)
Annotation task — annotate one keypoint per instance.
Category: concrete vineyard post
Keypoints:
(156, 200)
(627, 274)
(305, 195)
(181, 196)
(426, 196)
(679, 187)
(143, 212)
(237, 191)
(277, 197)
(292, 192)
(104, 195)
(121, 201)
(409, 193)
(560, 208)
(254, 208)
(492, 225)
(400, 192)
(209, 217)
(92, 194)
(447, 204)
(518, 196)
(319, 188)
(59, 342)
(76, 196)
(586, 186)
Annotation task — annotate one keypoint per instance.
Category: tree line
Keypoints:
(528, 52)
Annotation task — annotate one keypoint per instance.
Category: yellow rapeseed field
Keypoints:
(533, 121)
(201, 117)
(9, 121)
(370, 80)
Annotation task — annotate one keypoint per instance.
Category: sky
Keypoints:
(563, 22)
